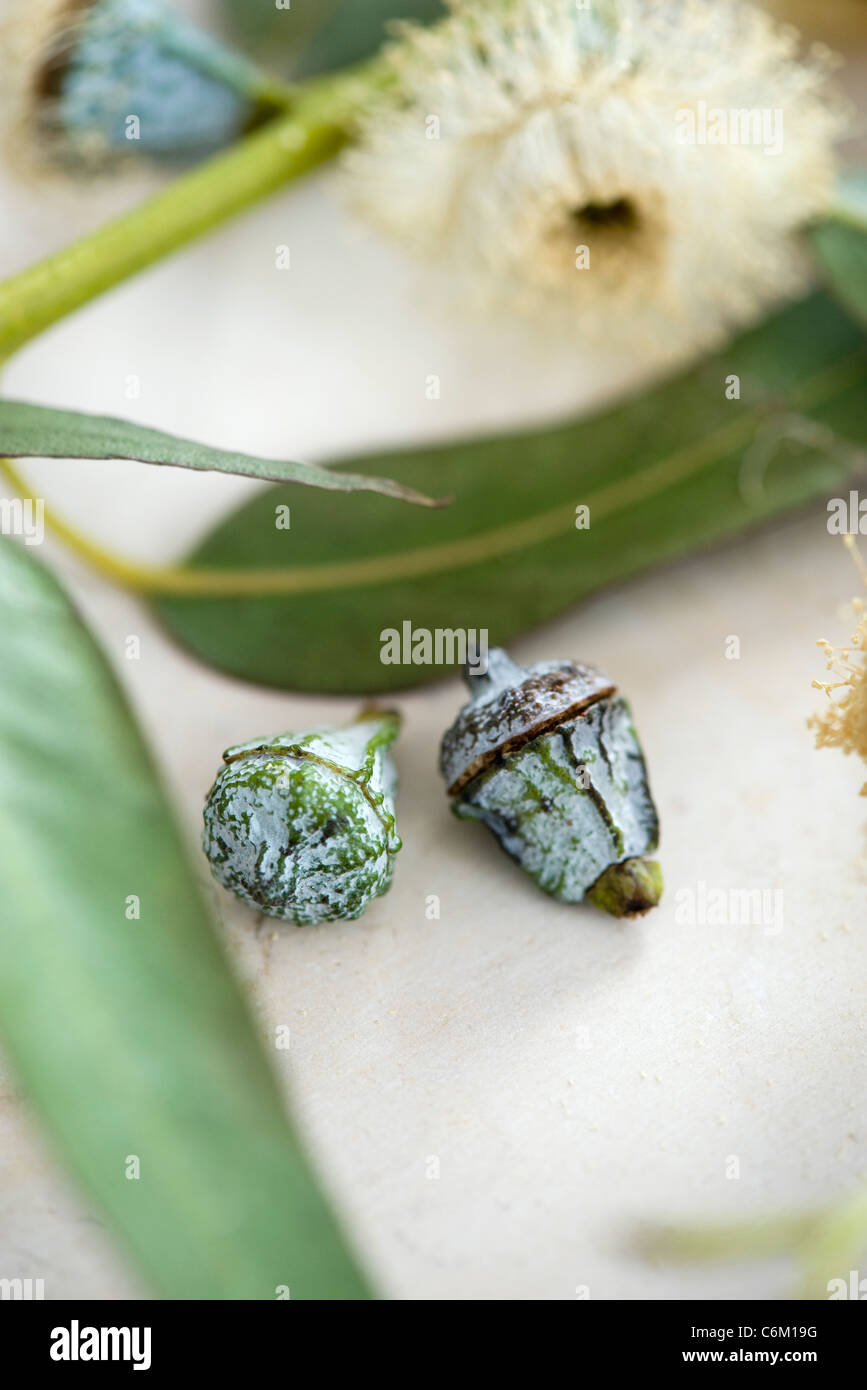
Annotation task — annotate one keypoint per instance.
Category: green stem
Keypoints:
(288, 146)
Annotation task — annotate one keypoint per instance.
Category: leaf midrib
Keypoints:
(207, 581)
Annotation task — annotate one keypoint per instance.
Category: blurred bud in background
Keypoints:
(84, 84)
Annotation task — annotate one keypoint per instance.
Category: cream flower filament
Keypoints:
(536, 152)
(843, 724)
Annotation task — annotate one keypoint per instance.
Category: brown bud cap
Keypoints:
(512, 704)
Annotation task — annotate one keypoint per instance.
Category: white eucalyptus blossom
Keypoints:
(642, 167)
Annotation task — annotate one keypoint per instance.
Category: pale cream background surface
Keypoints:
(572, 1076)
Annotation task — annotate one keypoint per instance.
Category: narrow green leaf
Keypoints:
(663, 474)
(129, 1032)
(277, 31)
(840, 245)
(40, 431)
(320, 35)
(357, 29)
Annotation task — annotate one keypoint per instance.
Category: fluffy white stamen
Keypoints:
(520, 131)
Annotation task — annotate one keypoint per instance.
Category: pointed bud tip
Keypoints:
(498, 669)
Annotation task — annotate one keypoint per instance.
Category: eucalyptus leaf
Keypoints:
(277, 30)
(664, 474)
(358, 28)
(320, 35)
(840, 245)
(119, 1012)
(40, 431)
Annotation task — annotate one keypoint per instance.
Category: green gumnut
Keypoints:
(302, 826)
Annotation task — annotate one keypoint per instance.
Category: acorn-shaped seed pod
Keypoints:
(547, 757)
(89, 80)
(302, 825)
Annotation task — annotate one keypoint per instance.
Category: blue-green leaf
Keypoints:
(774, 419)
(118, 1010)
(320, 35)
(840, 245)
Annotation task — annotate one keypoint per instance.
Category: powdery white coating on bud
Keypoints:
(561, 128)
(302, 826)
(79, 73)
(510, 704)
(571, 803)
(546, 756)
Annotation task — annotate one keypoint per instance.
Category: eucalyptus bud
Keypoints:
(302, 826)
(93, 80)
(547, 757)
